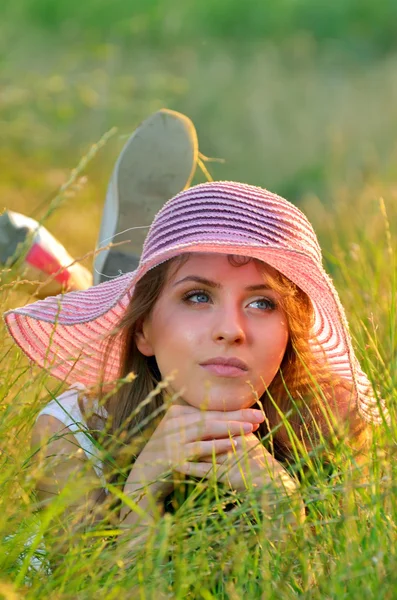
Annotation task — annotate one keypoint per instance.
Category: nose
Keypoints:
(229, 326)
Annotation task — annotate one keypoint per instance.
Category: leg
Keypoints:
(46, 268)
(157, 162)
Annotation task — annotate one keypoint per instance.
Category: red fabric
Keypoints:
(42, 259)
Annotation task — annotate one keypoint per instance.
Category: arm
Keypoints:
(146, 491)
(57, 460)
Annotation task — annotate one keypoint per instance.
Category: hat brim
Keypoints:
(67, 334)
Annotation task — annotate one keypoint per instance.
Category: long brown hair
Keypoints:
(302, 397)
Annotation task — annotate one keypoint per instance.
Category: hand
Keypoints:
(248, 465)
(185, 435)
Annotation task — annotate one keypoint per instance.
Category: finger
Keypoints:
(210, 430)
(187, 431)
(249, 415)
(180, 417)
(195, 469)
(239, 449)
(220, 459)
(198, 450)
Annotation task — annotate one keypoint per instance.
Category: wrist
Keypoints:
(148, 479)
(146, 497)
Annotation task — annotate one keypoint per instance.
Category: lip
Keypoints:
(225, 367)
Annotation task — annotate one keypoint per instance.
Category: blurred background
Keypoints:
(298, 96)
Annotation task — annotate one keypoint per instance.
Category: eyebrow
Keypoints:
(214, 284)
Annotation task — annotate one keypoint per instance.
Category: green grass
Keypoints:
(346, 547)
(290, 120)
(290, 111)
(359, 24)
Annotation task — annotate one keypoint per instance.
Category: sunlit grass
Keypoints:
(344, 549)
(301, 125)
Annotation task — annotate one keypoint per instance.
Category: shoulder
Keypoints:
(72, 407)
(60, 458)
(62, 417)
(51, 435)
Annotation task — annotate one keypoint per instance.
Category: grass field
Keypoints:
(308, 114)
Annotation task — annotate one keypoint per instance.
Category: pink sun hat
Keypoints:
(66, 334)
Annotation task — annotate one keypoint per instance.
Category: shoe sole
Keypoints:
(157, 162)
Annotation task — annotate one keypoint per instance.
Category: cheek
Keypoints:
(278, 336)
(281, 342)
(283, 338)
(272, 346)
(174, 338)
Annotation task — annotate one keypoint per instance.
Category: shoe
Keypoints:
(41, 261)
(157, 162)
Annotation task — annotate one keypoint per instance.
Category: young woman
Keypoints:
(227, 332)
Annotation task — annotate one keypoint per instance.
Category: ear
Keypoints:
(142, 340)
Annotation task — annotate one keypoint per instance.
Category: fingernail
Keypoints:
(247, 427)
(258, 416)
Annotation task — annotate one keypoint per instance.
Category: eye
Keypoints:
(196, 297)
(264, 304)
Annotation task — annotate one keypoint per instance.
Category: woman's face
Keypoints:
(220, 328)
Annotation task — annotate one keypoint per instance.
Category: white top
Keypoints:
(66, 409)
